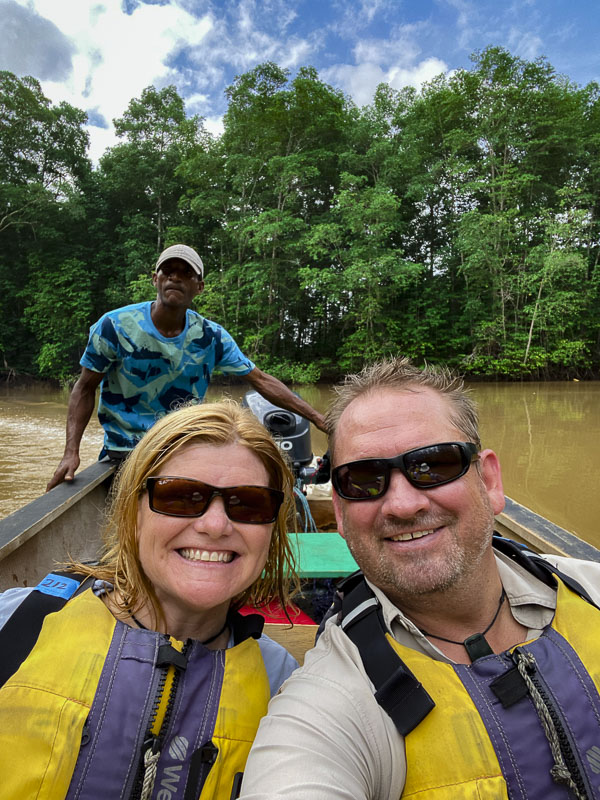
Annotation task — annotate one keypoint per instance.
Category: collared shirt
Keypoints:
(326, 736)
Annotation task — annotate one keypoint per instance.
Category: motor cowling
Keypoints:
(290, 431)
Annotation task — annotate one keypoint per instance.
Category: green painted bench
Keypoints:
(322, 555)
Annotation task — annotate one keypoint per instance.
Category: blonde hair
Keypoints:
(400, 373)
(218, 424)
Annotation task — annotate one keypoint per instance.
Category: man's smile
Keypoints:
(405, 537)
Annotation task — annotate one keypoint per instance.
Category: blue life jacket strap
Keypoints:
(538, 567)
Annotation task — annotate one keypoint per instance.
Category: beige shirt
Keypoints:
(325, 736)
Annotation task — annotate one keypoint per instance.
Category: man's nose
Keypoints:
(402, 499)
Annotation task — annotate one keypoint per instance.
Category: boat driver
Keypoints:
(457, 667)
(149, 358)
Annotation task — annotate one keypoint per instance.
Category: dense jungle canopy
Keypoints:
(456, 224)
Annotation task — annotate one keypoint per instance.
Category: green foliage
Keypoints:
(61, 303)
(291, 372)
(458, 223)
(141, 289)
(42, 150)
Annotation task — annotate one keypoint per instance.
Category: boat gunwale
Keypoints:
(23, 524)
(542, 535)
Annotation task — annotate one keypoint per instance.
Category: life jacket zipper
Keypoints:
(160, 718)
(567, 769)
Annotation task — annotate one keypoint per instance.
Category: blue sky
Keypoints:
(98, 54)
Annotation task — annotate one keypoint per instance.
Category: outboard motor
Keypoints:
(292, 434)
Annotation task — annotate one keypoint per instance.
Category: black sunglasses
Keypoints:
(186, 497)
(424, 468)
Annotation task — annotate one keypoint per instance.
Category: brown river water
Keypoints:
(546, 434)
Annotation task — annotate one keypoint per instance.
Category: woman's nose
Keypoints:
(214, 521)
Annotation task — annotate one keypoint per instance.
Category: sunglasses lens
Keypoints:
(179, 497)
(254, 504)
(425, 468)
(362, 480)
(432, 466)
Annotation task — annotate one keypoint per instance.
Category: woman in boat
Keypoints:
(148, 682)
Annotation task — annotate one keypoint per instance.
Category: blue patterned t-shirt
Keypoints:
(148, 374)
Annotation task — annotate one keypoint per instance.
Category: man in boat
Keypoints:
(151, 357)
(456, 667)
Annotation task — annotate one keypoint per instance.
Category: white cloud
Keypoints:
(524, 44)
(252, 34)
(298, 53)
(351, 16)
(100, 140)
(117, 55)
(416, 76)
(465, 12)
(214, 125)
(283, 11)
(476, 29)
(196, 104)
(396, 59)
(467, 22)
(370, 8)
(402, 48)
(196, 101)
(361, 80)
(31, 45)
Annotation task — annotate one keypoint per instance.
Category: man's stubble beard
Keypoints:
(418, 574)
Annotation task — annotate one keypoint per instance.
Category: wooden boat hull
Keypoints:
(64, 522)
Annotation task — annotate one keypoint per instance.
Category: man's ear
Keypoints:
(491, 474)
(337, 508)
(200, 287)
(154, 278)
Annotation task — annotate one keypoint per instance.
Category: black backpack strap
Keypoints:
(539, 567)
(21, 631)
(343, 588)
(397, 690)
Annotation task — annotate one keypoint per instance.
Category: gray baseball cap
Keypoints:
(186, 254)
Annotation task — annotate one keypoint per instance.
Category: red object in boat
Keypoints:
(273, 612)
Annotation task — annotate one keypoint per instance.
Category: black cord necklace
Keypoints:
(205, 642)
(476, 645)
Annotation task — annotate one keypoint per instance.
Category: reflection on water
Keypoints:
(546, 434)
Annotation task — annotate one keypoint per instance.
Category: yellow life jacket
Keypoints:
(469, 746)
(471, 731)
(78, 709)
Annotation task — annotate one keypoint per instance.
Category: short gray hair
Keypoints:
(401, 374)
